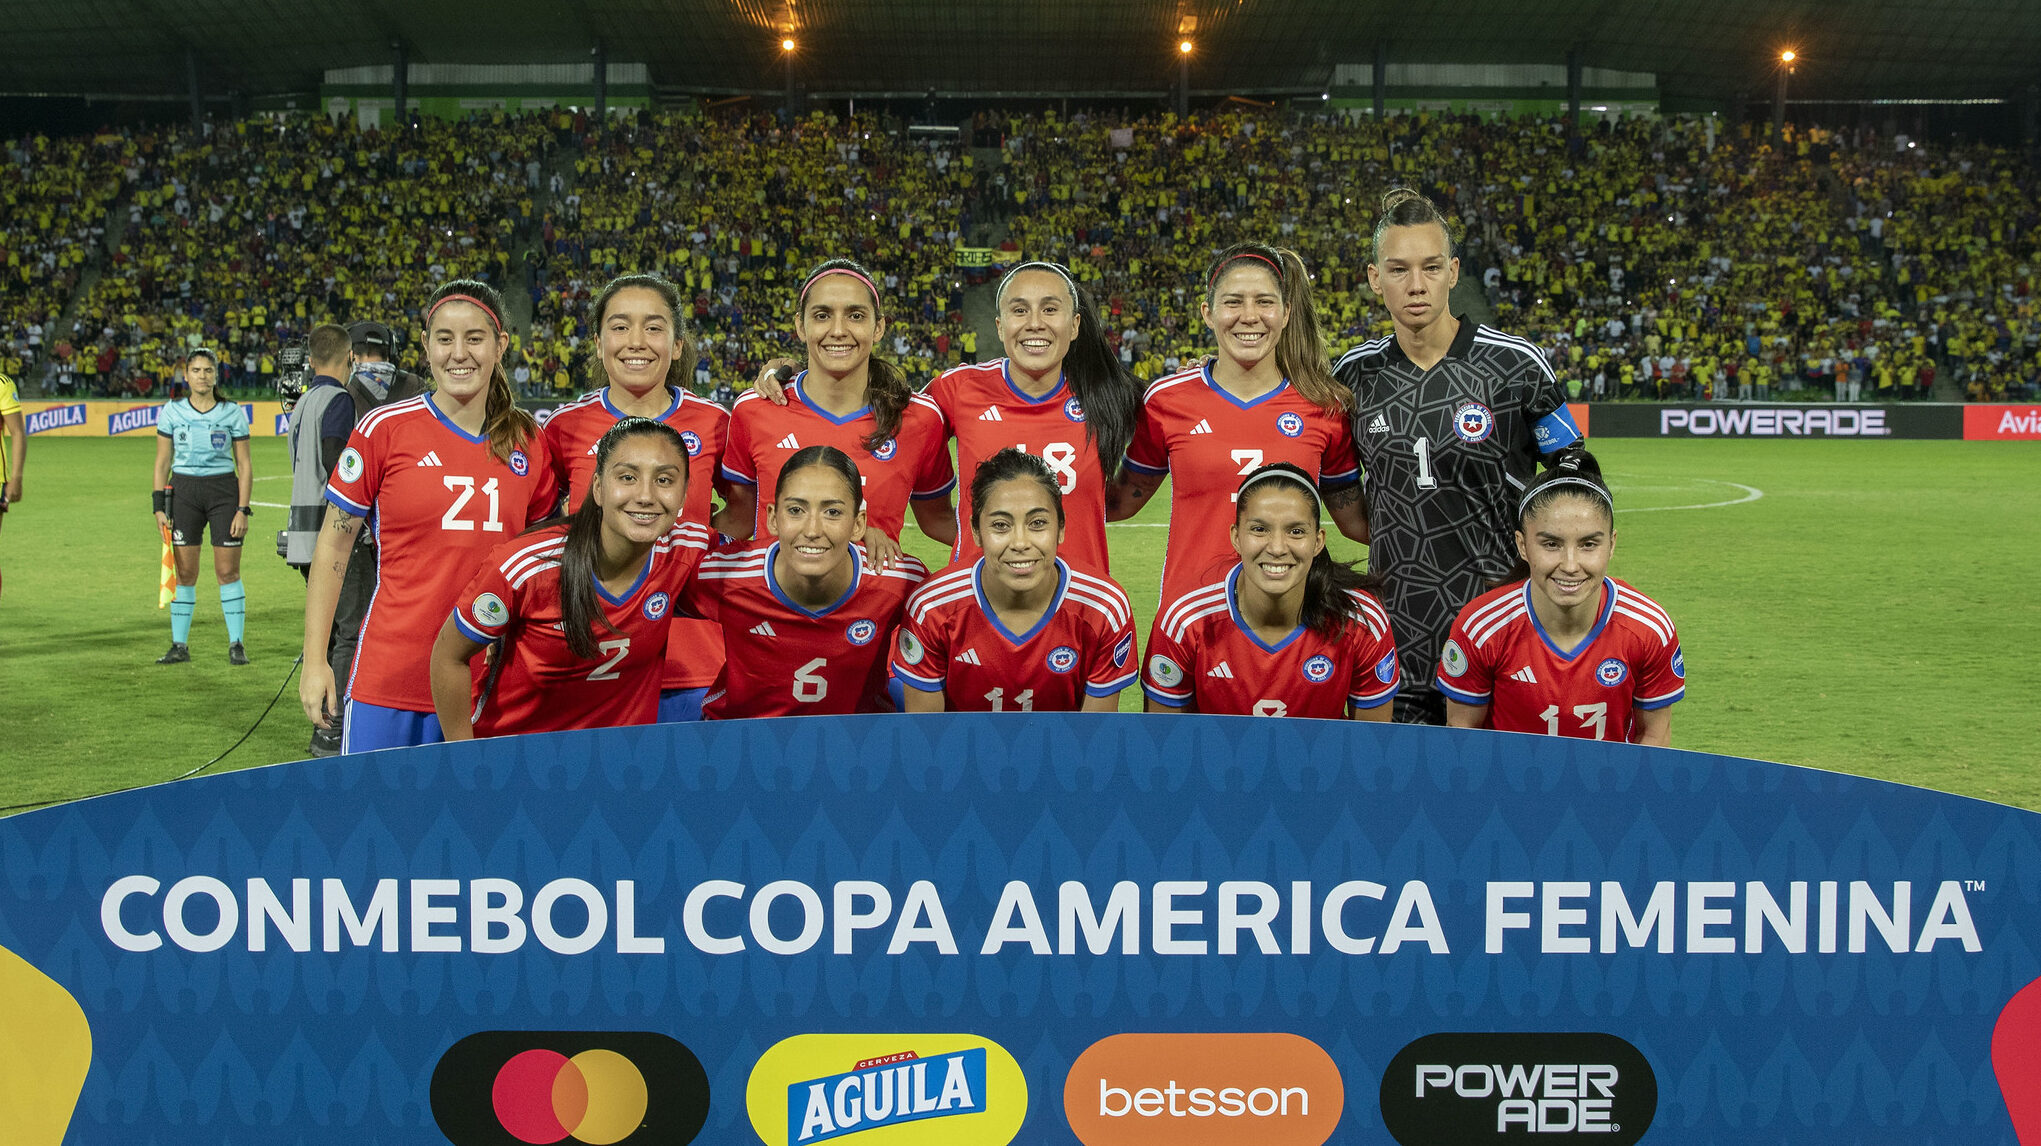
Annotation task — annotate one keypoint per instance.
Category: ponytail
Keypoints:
(581, 554)
(887, 390)
(1329, 584)
(1300, 349)
(507, 427)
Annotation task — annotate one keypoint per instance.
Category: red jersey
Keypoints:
(542, 686)
(1498, 655)
(694, 655)
(986, 413)
(914, 464)
(440, 502)
(784, 660)
(953, 644)
(1202, 655)
(1207, 440)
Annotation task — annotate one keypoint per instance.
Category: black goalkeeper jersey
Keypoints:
(1445, 454)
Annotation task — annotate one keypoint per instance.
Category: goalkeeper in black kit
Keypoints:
(1451, 419)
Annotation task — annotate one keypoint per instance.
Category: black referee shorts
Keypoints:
(197, 501)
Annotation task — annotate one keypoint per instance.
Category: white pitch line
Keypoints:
(1750, 493)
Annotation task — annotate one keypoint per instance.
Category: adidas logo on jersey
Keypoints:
(991, 414)
(1378, 425)
(970, 657)
(763, 629)
(1203, 427)
(1525, 674)
(431, 458)
(1222, 670)
(788, 443)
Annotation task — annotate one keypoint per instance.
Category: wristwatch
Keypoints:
(246, 512)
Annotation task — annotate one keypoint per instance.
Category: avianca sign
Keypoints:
(2001, 423)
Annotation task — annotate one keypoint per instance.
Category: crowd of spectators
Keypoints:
(1655, 257)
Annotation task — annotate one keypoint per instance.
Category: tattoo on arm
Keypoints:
(1343, 497)
(343, 523)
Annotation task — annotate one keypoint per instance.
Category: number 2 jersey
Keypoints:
(541, 685)
(986, 413)
(953, 643)
(1207, 440)
(1202, 656)
(439, 501)
(1498, 655)
(782, 659)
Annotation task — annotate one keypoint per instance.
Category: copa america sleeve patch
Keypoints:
(350, 464)
(910, 648)
(1166, 672)
(1453, 659)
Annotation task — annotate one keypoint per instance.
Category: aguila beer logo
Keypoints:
(887, 1090)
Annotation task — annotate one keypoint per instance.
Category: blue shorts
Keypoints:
(682, 705)
(369, 727)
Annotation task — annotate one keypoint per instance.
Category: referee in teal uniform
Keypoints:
(203, 481)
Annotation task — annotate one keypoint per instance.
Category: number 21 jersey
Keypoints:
(439, 500)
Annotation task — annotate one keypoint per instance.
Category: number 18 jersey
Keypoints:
(439, 501)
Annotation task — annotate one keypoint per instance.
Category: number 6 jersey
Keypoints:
(784, 660)
(438, 501)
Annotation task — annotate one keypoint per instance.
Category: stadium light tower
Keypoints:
(1183, 76)
(1786, 59)
(787, 63)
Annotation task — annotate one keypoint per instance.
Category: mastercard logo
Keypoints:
(597, 1088)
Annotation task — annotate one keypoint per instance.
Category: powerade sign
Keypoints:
(1146, 932)
(55, 418)
(1777, 421)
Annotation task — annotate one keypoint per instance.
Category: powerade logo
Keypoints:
(56, 418)
(1472, 1088)
(1746, 422)
(881, 1089)
(628, 1088)
(139, 418)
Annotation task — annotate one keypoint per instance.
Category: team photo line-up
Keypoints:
(470, 572)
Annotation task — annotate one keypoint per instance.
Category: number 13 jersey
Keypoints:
(439, 501)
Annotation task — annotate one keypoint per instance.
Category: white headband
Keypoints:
(1524, 502)
(1268, 472)
(1057, 268)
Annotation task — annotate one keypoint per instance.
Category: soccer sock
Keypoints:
(233, 602)
(180, 613)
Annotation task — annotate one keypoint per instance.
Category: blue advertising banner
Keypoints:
(1022, 928)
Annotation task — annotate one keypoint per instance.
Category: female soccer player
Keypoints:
(646, 359)
(203, 477)
(1267, 397)
(1287, 632)
(806, 618)
(1563, 648)
(854, 402)
(1019, 629)
(448, 476)
(582, 606)
(1060, 394)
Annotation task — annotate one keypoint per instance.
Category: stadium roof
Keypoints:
(1711, 50)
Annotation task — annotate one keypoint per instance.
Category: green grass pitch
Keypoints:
(1869, 612)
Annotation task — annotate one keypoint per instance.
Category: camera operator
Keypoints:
(351, 374)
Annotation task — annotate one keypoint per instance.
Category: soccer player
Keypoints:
(1563, 648)
(646, 358)
(854, 402)
(1287, 631)
(448, 475)
(13, 445)
(579, 609)
(1019, 629)
(203, 480)
(1266, 397)
(1450, 419)
(806, 619)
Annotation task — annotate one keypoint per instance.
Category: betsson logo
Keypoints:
(1203, 1090)
(1473, 1088)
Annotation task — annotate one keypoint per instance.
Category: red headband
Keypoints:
(820, 275)
(465, 298)
(1220, 269)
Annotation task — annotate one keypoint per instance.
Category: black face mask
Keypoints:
(375, 377)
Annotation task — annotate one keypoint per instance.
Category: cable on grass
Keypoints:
(299, 660)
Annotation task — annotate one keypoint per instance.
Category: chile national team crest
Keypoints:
(1289, 423)
(518, 464)
(1318, 669)
(861, 632)
(885, 452)
(1612, 672)
(1074, 410)
(1473, 422)
(656, 606)
(1062, 658)
(692, 441)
